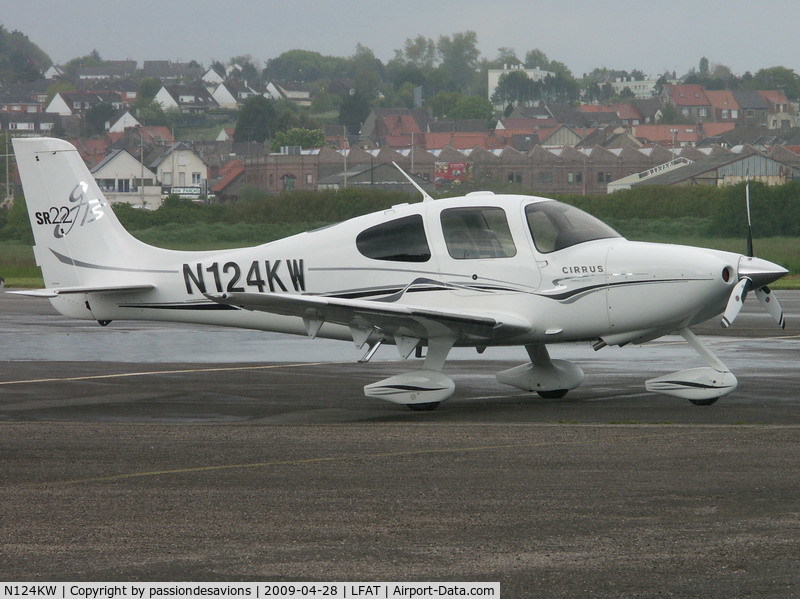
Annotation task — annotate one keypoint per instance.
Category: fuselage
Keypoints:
(553, 265)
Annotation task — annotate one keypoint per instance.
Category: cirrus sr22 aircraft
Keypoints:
(479, 271)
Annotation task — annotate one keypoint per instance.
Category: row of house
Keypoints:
(741, 107)
(144, 165)
(543, 170)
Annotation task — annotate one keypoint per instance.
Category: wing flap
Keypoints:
(393, 319)
(56, 291)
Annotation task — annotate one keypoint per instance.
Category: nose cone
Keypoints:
(761, 272)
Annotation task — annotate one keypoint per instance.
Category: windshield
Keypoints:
(555, 226)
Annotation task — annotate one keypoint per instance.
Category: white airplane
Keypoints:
(479, 271)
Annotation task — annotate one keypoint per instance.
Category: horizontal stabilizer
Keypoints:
(56, 291)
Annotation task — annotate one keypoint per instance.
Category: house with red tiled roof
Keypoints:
(231, 177)
(674, 136)
(669, 136)
(724, 107)
(93, 151)
(782, 114)
(134, 137)
(690, 101)
(460, 140)
(395, 127)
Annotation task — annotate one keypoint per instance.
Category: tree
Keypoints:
(306, 138)
(421, 52)
(459, 59)
(704, 67)
(354, 111)
(443, 103)
(93, 59)
(536, 59)
(20, 59)
(97, 117)
(472, 107)
(256, 120)
(304, 65)
(781, 78)
(148, 88)
(151, 114)
(367, 71)
(506, 56)
(515, 87)
(671, 116)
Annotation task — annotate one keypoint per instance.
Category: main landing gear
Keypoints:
(551, 379)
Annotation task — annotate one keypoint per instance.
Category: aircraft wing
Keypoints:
(399, 320)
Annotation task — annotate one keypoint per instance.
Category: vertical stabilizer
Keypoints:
(79, 240)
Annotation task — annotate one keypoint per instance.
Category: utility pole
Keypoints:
(9, 196)
(141, 160)
(347, 147)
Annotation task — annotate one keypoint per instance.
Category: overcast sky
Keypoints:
(744, 35)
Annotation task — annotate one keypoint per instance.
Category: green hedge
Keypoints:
(701, 210)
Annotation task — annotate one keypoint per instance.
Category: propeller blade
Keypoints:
(771, 305)
(735, 302)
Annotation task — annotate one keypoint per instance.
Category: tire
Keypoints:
(554, 394)
(424, 407)
(703, 402)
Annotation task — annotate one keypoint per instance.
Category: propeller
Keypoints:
(754, 273)
(736, 301)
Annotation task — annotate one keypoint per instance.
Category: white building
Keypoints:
(179, 166)
(642, 90)
(495, 74)
(124, 179)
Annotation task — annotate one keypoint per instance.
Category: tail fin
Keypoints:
(79, 241)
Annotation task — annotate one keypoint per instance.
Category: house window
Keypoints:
(288, 182)
(195, 178)
(575, 177)
(603, 177)
(685, 111)
(546, 177)
(515, 177)
(703, 111)
(725, 114)
(309, 179)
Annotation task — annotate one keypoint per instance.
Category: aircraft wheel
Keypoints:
(554, 394)
(424, 407)
(704, 402)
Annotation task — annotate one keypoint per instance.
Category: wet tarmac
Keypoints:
(147, 451)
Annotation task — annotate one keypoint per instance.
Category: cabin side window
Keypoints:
(477, 233)
(401, 240)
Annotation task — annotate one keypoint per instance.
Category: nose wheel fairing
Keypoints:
(702, 385)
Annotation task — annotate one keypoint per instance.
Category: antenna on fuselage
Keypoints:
(425, 196)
